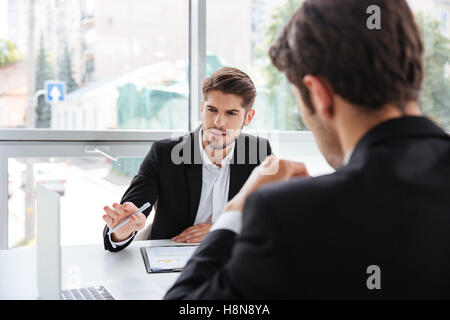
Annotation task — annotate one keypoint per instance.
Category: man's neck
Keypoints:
(355, 124)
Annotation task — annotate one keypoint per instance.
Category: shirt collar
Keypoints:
(205, 158)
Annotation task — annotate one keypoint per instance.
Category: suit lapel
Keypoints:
(238, 170)
(238, 176)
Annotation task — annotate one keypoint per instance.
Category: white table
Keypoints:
(82, 266)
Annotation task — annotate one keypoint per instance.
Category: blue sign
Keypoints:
(55, 91)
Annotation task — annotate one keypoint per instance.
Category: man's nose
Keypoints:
(220, 121)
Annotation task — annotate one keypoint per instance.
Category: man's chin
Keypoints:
(219, 145)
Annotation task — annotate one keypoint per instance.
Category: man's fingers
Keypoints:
(196, 234)
(198, 229)
(138, 225)
(268, 160)
(195, 240)
(130, 207)
(199, 232)
(182, 237)
(192, 232)
(270, 166)
(113, 214)
(178, 237)
(185, 232)
(108, 220)
(119, 209)
(297, 169)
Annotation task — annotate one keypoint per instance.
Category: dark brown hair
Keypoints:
(369, 68)
(231, 81)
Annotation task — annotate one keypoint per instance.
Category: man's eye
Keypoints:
(212, 110)
(232, 113)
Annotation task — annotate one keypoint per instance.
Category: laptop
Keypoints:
(49, 262)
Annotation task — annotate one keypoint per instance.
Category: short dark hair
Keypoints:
(231, 81)
(369, 68)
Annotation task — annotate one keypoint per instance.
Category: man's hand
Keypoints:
(193, 234)
(120, 212)
(269, 171)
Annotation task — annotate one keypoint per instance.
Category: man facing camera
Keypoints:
(377, 228)
(189, 179)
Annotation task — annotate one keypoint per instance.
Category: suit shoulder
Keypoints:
(309, 190)
(286, 205)
(165, 145)
(255, 143)
(253, 138)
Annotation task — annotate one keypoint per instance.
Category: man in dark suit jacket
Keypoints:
(376, 228)
(193, 176)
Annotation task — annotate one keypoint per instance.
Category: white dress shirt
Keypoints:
(215, 187)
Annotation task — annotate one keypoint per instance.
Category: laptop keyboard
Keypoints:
(90, 293)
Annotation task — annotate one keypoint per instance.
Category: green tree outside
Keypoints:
(435, 96)
(282, 103)
(44, 72)
(65, 70)
(9, 53)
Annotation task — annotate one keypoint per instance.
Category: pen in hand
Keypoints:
(120, 225)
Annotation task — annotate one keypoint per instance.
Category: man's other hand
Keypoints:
(193, 234)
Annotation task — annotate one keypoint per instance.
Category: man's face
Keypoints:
(323, 131)
(223, 118)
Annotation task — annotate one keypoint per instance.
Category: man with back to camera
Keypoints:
(376, 228)
(192, 177)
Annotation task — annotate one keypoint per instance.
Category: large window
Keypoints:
(240, 32)
(85, 186)
(435, 97)
(124, 64)
(132, 75)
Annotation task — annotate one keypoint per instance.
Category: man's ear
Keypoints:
(321, 95)
(201, 106)
(249, 117)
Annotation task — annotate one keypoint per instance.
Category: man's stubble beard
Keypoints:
(211, 145)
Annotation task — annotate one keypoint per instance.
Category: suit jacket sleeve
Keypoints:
(230, 266)
(143, 188)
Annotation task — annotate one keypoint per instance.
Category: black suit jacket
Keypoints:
(316, 237)
(172, 174)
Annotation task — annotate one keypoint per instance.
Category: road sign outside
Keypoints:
(55, 91)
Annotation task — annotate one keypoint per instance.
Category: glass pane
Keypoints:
(124, 64)
(435, 98)
(86, 185)
(251, 26)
